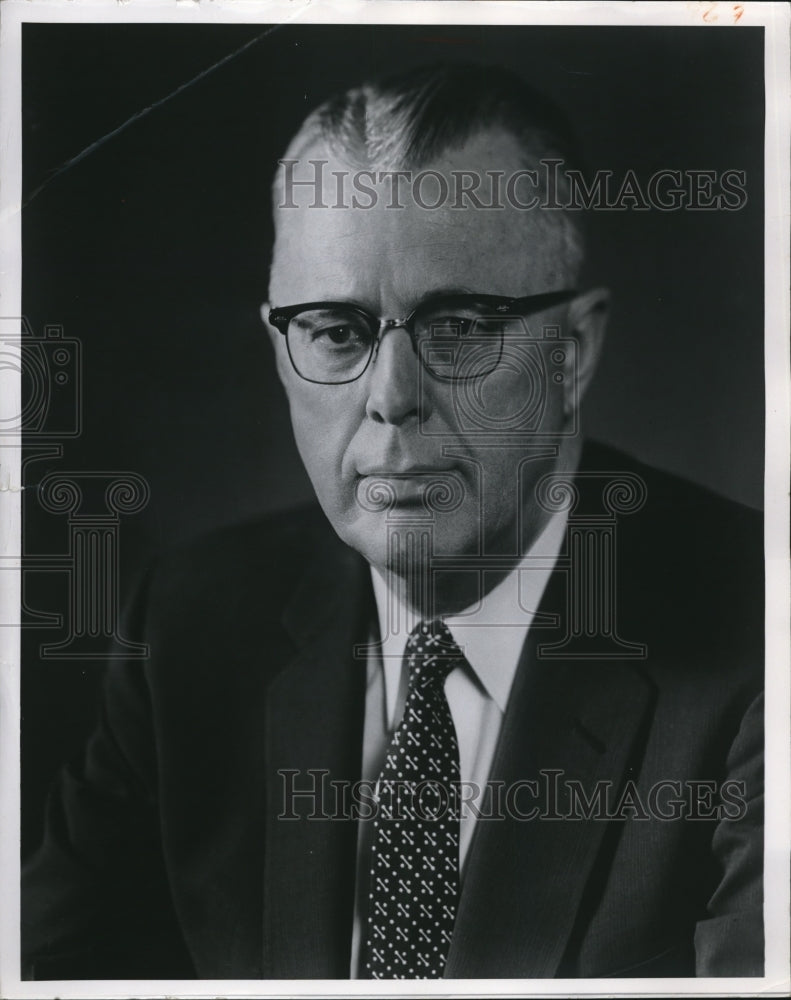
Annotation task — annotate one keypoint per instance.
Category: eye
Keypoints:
(454, 318)
(341, 334)
(329, 330)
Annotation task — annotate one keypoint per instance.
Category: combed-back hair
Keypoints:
(407, 120)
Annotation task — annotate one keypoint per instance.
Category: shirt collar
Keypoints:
(493, 634)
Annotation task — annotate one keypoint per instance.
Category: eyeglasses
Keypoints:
(456, 337)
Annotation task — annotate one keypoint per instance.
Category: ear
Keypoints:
(264, 312)
(587, 322)
(278, 342)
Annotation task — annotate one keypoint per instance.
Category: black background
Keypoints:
(151, 251)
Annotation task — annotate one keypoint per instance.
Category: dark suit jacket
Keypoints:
(163, 855)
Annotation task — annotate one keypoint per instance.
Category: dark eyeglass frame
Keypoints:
(501, 306)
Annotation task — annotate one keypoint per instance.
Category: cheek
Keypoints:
(525, 390)
(519, 398)
(323, 427)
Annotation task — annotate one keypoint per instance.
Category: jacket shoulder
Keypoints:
(681, 512)
(255, 563)
(691, 568)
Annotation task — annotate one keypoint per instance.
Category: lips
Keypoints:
(405, 471)
(430, 487)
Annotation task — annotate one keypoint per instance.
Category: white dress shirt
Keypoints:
(491, 636)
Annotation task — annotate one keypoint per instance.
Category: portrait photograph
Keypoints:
(394, 498)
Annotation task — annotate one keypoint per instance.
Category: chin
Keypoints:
(396, 541)
(413, 545)
(367, 534)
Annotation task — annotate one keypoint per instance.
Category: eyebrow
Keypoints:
(435, 293)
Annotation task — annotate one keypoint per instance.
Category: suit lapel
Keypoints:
(314, 724)
(525, 878)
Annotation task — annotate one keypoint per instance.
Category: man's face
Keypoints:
(396, 423)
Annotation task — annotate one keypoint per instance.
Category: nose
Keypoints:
(394, 381)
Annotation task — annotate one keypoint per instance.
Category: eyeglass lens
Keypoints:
(454, 339)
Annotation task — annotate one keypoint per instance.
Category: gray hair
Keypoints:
(408, 120)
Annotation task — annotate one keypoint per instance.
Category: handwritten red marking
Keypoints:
(712, 12)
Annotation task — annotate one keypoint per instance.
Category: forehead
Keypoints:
(340, 245)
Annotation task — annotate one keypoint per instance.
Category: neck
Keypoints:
(427, 593)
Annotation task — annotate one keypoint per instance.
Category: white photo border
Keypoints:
(776, 19)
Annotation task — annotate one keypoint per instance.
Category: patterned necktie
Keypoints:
(415, 855)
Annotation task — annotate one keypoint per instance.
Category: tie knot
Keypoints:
(431, 653)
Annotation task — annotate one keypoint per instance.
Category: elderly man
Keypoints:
(494, 711)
